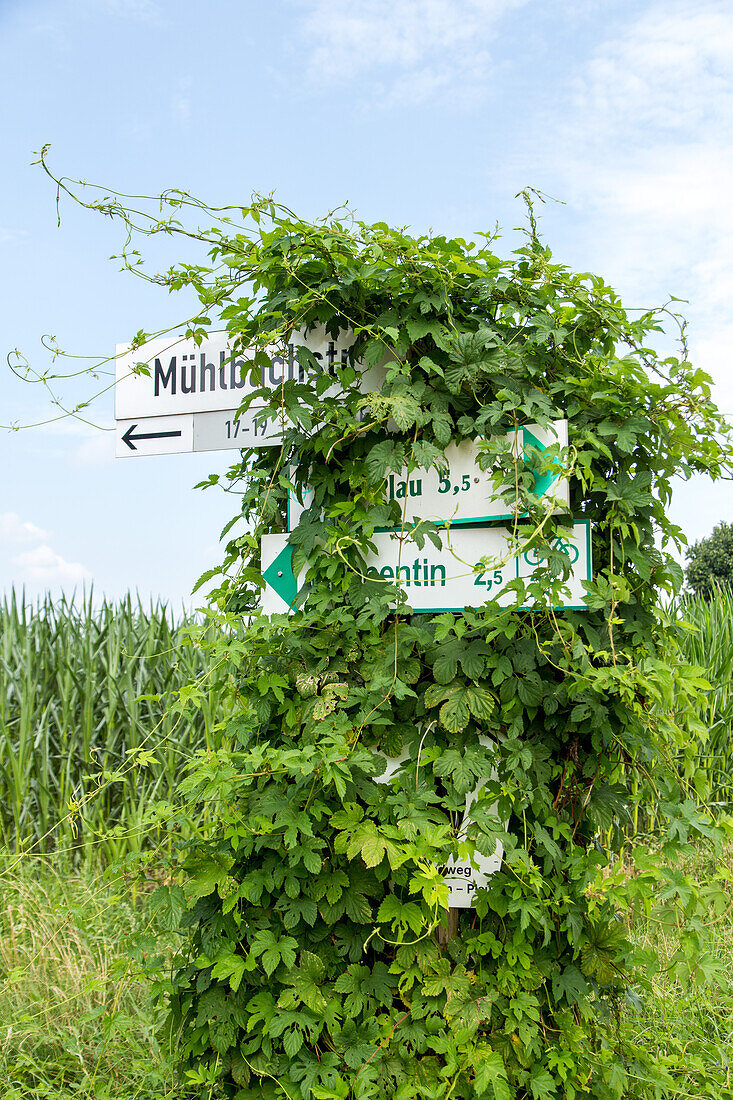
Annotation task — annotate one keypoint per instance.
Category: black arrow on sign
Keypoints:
(131, 439)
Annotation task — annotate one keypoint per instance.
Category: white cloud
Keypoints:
(38, 567)
(659, 214)
(464, 87)
(713, 352)
(648, 139)
(671, 70)
(43, 567)
(97, 449)
(181, 102)
(413, 49)
(15, 531)
(10, 236)
(644, 151)
(82, 444)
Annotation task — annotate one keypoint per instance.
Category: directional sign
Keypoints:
(463, 493)
(133, 435)
(212, 431)
(278, 570)
(183, 377)
(156, 435)
(474, 565)
(462, 876)
(199, 390)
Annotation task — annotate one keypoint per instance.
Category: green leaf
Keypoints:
(442, 428)
(530, 690)
(216, 1010)
(454, 713)
(418, 327)
(230, 967)
(569, 985)
(491, 1074)
(205, 874)
(271, 950)
(358, 908)
(309, 992)
(384, 457)
(372, 850)
(312, 965)
(403, 916)
(292, 1041)
(404, 409)
(542, 1084)
(434, 694)
(168, 903)
(481, 702)
(459, 767)
(473, 659)
(446, 663)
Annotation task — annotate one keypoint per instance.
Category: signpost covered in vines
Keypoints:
(449, 678)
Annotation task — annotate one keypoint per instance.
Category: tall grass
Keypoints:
(83, 687)
(687, 1029)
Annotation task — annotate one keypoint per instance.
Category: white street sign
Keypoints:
(462, 876)
(464, 493)
(474, 565)
(199, 390)
(186, 378)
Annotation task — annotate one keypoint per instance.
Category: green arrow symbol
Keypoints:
(542, 482)
(279, 575)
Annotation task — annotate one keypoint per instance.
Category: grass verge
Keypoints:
(75, 1021)
(688, 1029)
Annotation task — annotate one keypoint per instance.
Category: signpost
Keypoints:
(473, 565)
(202, 431)
(173, 396)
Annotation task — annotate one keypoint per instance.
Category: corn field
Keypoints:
(710, 645)
(83, 691)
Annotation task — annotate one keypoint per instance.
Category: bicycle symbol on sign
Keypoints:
(533, 556)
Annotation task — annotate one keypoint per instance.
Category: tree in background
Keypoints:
(710, 561)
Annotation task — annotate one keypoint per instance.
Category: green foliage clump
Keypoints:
(316, 966)
(710, 561)
(317, 962)
(76, 1020)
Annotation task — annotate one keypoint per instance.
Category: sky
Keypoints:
(422, 113)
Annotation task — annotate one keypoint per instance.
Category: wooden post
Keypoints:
(447, 929)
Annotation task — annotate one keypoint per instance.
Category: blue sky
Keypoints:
(428, 113)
